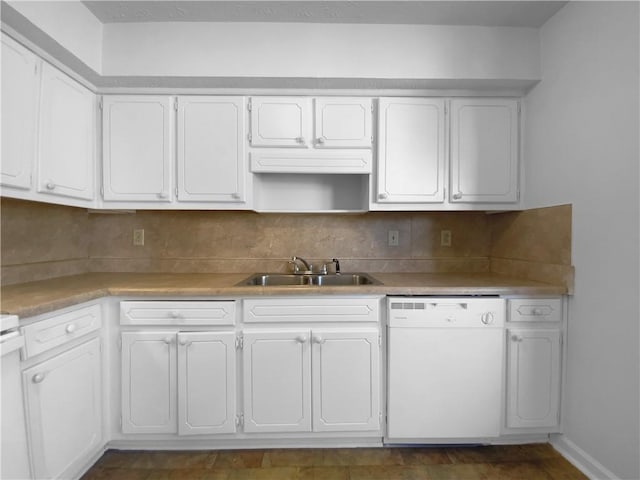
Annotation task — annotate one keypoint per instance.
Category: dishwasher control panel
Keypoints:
(449, 312)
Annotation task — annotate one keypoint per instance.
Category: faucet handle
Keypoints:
(337, 262)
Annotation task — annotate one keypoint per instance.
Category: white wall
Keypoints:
(320, 50)
(70, 23)
(581, 147)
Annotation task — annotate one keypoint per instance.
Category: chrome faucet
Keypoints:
(296, 268)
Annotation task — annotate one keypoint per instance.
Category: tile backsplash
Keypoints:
(199, 241)
(42, 241)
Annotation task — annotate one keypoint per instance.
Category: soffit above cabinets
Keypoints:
(455, 48)
(493, 14)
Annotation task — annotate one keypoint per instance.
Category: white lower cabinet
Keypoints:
(206, 382)
(277, 381)
(320, 380)
(64, 410)
(312, 377)
(178, 382)
(534, 364)
(533, 377)
(346, 379)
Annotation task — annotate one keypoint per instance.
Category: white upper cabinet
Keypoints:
(342, 122)
(334, 122)
(281, 122)
(20, 83)
(211, 149)
(484, 150)
(137, 148)
(67, 130)
(411, 150)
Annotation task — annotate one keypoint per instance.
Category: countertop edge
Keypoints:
(37, 298)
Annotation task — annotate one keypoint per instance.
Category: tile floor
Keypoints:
(526, 462)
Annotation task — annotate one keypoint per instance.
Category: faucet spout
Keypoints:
(296, 269)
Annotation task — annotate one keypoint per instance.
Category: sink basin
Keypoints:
(312, 280)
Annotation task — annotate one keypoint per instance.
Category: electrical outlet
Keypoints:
(138, 237)
(445, 238)
(394, 238)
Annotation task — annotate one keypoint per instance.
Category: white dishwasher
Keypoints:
(445, 369)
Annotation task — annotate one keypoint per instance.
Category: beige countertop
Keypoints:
(34, 298)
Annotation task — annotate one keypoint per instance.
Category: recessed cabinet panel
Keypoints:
(157, 312)
(535, 310)
(149, 382)
(66, 151)
(211, 155)
(206, 382)
(342, 122)
(281, 122)
(484, 150)
(533, 375)
(137, 148)
(346, 379)
(64, 401)
(19, 113)
(411, 149)
(277, 381)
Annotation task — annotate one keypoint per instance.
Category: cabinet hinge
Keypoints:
(249, 105)
(380, 340)
(102, 190)
(518, 194)
(176, 192)
(371, 107)
(175, 104)
(239, 342)
(120, 348)
(519, 108)
(240, 420)
(249, 136)
(100, 104)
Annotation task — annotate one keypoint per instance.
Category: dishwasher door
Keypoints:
(445, 369)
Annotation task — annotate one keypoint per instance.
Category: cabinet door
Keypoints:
(19, 113)
(66, 147)
(343, 122)
(149, 382)
(484, 150)
(137, 148)
(211, 139)
(64, 402)
(206, 382)
(346, 379)
(277, 381)
(533, 376)
(281, 122)
(411, 150)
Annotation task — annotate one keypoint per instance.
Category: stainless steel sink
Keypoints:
(309, 280)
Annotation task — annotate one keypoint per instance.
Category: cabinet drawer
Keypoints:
(535, 310)
(52, 332)
(311, 310)
(178, 313)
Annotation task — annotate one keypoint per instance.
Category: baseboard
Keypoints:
(581, 459)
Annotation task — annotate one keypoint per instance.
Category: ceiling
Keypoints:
(481, 13)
